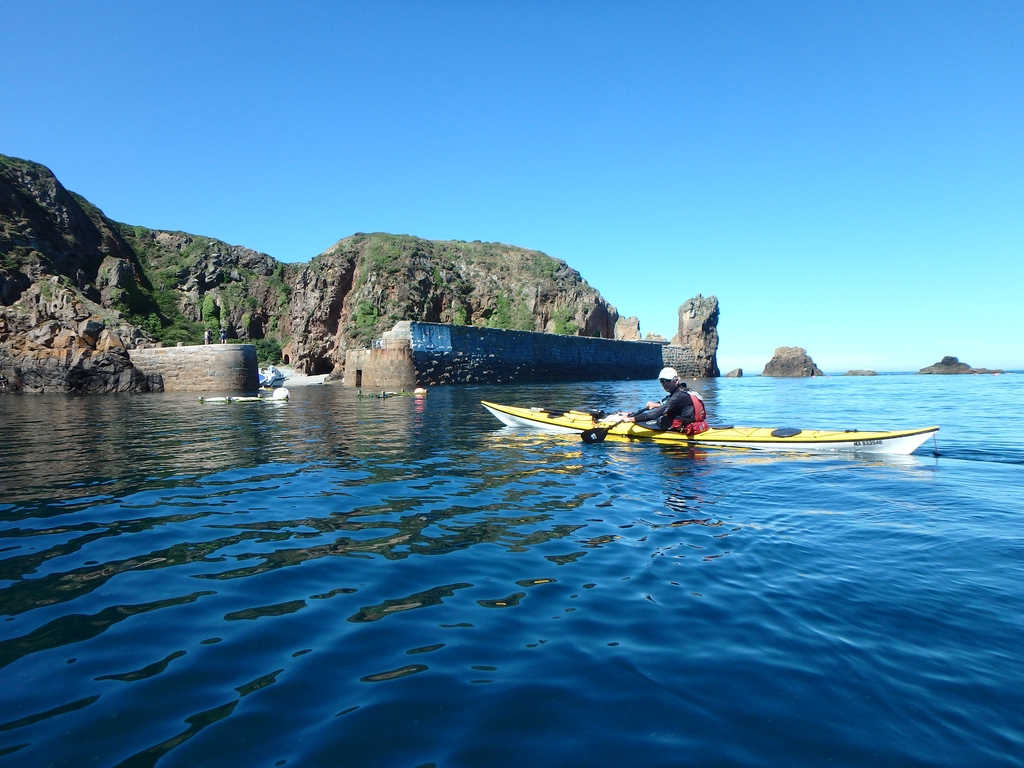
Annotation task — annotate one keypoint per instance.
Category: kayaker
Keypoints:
(675, 405)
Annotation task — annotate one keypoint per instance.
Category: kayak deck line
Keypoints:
(577, 422)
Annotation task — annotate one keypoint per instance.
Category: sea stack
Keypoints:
(791, 362)
(698, 330)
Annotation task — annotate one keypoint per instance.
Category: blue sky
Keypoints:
(844, 176)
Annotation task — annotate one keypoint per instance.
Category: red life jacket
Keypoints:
(699, 412)
(699, 415)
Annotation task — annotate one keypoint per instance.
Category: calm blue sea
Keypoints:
(339, 581)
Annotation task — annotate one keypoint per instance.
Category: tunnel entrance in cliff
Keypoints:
(320, 365)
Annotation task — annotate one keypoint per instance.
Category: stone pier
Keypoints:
(201, 368)
(387, 368)
(425, 354)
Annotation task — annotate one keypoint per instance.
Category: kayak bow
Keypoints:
(814, 441)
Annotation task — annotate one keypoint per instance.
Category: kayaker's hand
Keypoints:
(651, 405)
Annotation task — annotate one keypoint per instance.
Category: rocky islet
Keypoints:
(791, 362)
(951, 365)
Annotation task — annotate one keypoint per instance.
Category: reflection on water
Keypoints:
(75, 628)
(244, 584)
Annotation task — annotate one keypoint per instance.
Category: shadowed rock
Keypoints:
(51, 342)
(950, 364)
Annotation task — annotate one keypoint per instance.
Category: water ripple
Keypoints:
(261, 577)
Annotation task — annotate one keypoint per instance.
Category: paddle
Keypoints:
(598, 434)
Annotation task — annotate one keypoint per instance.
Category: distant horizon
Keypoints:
(847, 178)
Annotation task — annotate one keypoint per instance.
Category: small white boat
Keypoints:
(271, 377)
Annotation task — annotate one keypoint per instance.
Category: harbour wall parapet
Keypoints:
(201, 368)
(682, 359)
(427, 354)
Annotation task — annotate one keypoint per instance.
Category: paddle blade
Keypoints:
(593, 435)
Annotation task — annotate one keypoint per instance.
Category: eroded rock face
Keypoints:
(628, 329)
(735, 373)
(861, 372)
(951, 365)
(317, 315)
(221, 285)
(51, 341)
(791, 362)
(46, 230)
(114, 277)
(698, 330)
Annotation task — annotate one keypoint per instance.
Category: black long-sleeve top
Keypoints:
(678, 403)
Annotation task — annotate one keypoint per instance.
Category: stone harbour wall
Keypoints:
(201, 368)
(455, 354)
(682, 359)
(427, 354)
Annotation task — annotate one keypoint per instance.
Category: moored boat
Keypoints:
(271, 377)
(594, 427)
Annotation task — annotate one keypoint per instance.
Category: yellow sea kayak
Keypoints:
(592, 429)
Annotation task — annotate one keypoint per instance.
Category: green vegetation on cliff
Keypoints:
(174, 285)
(201, 282)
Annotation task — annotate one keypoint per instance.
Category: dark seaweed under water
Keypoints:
(345, 581)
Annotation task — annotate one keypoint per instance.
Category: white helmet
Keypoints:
(667, 374)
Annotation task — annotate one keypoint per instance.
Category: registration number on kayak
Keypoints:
(867, 442)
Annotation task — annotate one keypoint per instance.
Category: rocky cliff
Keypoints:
(53, 339)
(147, 286)
(59, 258)
(360, 287)
(46, 230)
(197, 282)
